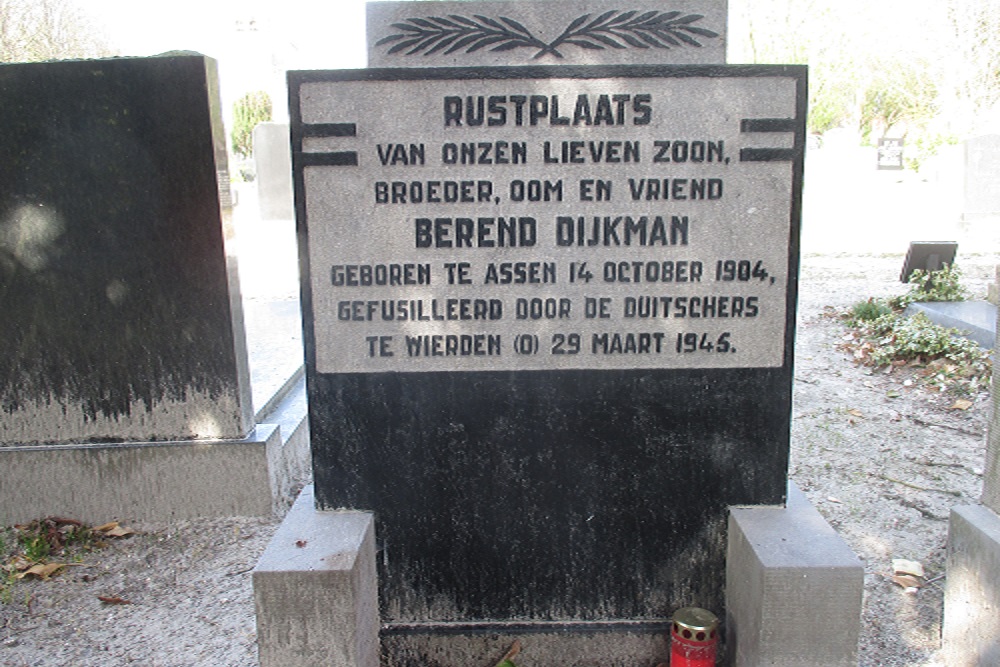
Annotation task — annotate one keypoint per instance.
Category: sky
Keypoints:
(255, 41)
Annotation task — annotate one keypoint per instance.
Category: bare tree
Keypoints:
(33, 30)
(975, 74)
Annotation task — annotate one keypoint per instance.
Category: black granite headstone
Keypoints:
(121, 316)
(927, 256)
(549, 316)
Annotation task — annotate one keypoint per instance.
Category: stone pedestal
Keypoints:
(793, 589)
(315, 590)
(971, 632)
(161, 481)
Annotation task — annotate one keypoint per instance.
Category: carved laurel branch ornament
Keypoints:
(614, 29)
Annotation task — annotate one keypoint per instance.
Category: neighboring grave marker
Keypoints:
(579, 468)
(982, 176)
(122, 313)
(890, 154)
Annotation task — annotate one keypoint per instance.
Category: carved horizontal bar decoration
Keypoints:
(614, 29)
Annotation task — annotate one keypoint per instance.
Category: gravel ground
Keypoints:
(882, 459)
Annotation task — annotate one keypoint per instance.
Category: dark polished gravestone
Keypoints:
(549, 318)
(121, 309)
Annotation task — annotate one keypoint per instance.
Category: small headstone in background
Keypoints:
(122, 318)
(982, 176)
(890, 154)
(273, 159)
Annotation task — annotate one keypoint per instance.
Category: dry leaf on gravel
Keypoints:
(113, 599)
(961, 404)
(908, 582)
(114, 529)
(42, 571)
(18, 564)
(911, 567)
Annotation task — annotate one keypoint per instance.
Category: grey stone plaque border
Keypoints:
(795, 154)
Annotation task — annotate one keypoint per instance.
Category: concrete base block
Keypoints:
(157, 481)
(971, 632)
(289, 461)
(315, 590)
(543, 644)
(793, 589)
(976, 319)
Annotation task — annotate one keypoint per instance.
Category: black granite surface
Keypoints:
(574, 496)
(114, 283)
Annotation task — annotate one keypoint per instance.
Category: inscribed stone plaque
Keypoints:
(548, 317)
(539, 32)
(121, 309)
(569, 222)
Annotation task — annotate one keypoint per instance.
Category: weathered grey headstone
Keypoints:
(991, 477)
(993, 289)
(890, 154)
(121, 308)
(274, 171)
(982, 176)
(549, 316)
(971, 626)
(546, 32)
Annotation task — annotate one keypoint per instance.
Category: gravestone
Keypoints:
(274, 171)
(122, 314)
(982, 176)
(991, 478)
(549, 316)
(971, 626)
(890, 154)
(927, 256)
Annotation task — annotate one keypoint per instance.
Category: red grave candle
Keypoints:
(694, 638)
